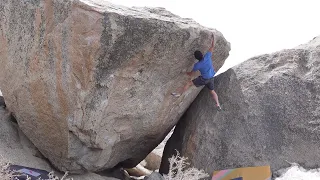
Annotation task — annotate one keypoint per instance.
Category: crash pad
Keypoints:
(34, 174)
(246, 173)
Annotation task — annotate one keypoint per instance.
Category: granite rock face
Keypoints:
(15, 147)
(2, 102)
(89, 82)
(154, 176)
(270, 116)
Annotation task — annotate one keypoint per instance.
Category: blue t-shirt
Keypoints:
(205, 66)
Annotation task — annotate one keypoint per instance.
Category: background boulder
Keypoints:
(270, 116)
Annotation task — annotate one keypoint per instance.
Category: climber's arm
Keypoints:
(212, 44)
(191, 73)
(194, 70)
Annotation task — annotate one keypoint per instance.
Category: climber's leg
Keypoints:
(199, 81)
(215, 97)
(182, 90)
(210, 86)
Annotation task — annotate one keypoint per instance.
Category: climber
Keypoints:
(207, 74)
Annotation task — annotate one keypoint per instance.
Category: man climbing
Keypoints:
(204, 65)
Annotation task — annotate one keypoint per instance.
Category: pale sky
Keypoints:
(252, 27)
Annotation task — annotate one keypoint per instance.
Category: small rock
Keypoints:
(153, 161)
(154, 176)
(138, 171)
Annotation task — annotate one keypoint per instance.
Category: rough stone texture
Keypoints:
(271, 115)
(90, 83)
(153, 161)
(2, 103)
(118, 173)
(154, 176)
(91, 176)
(15, 147)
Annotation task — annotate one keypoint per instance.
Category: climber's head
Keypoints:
(198, 55)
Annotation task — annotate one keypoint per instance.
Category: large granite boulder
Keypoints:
(270, 116)
(90, 82)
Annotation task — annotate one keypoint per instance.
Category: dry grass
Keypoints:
(178, 171)
(5, 174)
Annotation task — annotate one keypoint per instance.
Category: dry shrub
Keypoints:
(178, 170)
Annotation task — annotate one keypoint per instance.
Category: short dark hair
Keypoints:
(198, 55)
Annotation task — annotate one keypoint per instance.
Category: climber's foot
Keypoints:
(176, 94)
(219, 107)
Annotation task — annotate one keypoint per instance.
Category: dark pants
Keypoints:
(200, 81)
